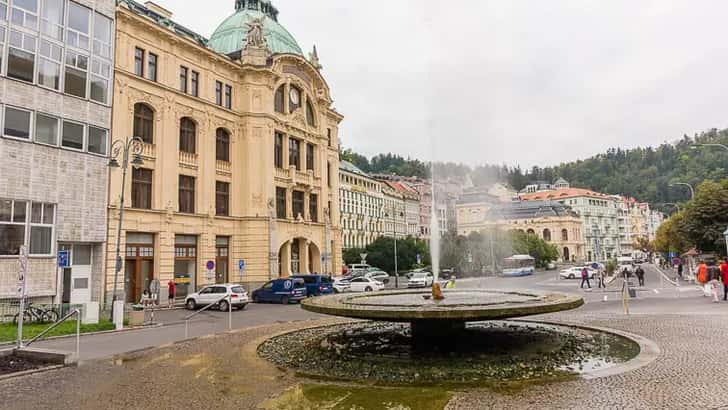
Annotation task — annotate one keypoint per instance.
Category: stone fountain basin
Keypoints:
(464, 305)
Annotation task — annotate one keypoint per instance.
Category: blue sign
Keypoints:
(241, 264)
(63, 261)
(210, 265)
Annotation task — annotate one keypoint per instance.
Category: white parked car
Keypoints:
(575, 273)
(421, 280)
(341, 285)
(364, 284)
(378, 275)
(213, 293)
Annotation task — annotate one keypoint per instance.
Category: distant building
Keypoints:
(362, 207)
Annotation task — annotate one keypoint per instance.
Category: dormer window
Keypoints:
(294, 101)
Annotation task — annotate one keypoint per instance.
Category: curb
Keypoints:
(29, 372)
(102, 332)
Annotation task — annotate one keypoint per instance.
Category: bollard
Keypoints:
(230, 314)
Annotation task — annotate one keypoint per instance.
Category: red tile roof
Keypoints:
(563, 194)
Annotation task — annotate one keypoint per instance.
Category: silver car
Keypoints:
(421, 280)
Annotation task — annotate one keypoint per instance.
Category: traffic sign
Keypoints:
(210, 265)
(63, 260)
(241, 264)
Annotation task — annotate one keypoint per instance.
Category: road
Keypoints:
(656, 296)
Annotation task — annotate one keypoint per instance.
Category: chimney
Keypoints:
(158, 9)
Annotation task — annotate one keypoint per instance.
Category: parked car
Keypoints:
(575, 273)
(281, 291)
(378, 275)
(317, 285)
(341, 285)
(421, 280)
(364, 284)
(213, 293)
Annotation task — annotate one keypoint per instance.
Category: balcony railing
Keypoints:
(304, 178)
(223, 167)
(148, 151)
(283, 173)
(188, 159)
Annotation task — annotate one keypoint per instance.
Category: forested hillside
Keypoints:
(644, 173)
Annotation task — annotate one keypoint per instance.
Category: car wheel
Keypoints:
(284, 300)
(190, 304)
(571, 276)
(243, 306)
(385, 281)
(224, 306)
(368, 289)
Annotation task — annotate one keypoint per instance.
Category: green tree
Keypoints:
(529, 244)
(351, 255)
(706, 217)
(669, 236)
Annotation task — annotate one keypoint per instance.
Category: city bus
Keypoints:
(519, 265)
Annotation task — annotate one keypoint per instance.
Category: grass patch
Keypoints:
(9, 331)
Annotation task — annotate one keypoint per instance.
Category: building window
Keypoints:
(222, 198)
(222, 255)
(183, 79)
(187, 132)
(76, 70)
(100, 75)
(218, 93)
(25, 13)
(42, 218)
(278, 150)
(297, 203)
(15, 222)
(144, 123)
(310, 117)
(46, 129)
(564, 235)
(313, 207)
(195, 84)
(49, 65)
(17, 123)
(294, 100)
(141, 188)
(309, 157)
(21, 56)
(103, 34)
(186, 194)
(77, 33)
(228, 97)
(151, 67)
(547, 235)
(139, 62)
(328, 174)
(280, 203)
(97, 140)
(2, 38)
(294, 152)
(279, 98)
(72, 136)
(222, 145)
(3, 10)
(328, 135)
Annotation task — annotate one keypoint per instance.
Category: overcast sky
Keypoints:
(518, 82)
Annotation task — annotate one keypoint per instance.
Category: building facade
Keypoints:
(362, 207)
(240, 150)
(56, 58)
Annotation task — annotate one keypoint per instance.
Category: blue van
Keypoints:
(281, 291)
(317, 285)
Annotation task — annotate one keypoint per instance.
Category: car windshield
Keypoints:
(238, 289)
(420, 275)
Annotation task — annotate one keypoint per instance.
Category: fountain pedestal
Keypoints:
(435, 332)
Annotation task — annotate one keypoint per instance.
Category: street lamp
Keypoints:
(692, 191)
(696, 146)
(124, 148)
(394, 229)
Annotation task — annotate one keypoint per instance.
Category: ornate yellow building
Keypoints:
(240, 153)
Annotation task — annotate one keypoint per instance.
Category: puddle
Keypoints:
(341, 397)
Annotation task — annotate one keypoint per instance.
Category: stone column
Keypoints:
(289, 203)
(286, 165)
(306, 201)
(303, 257)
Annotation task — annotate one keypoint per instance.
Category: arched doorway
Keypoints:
(566, 254)
(531, 232)
(298, 256)
(547, 235)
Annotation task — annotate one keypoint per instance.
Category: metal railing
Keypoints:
(74, 312)
(217, 302)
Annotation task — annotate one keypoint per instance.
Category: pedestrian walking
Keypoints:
(585, 278)
(713, 280)
(680, 271)
(640, 275)
(724, 277)
(702, 277)
(172, 292)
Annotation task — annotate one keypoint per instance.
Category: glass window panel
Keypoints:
(46, 129)
(99, 89)
(17, 123)
(29, 5)
(11, 238)
(48, 213)
(78, 17)
(81, 255)
(52, 18)
(3, 10)
(102, 28)
(36, 213)
(6, 210)
(72, 135)
(21, 64)
(49, 74)
(97, 140)
(75, 83)
(20, 209)
(40, 240)
(80, 283)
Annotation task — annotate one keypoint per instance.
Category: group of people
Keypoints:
(711, 276)
(601, 276)
(149, 300)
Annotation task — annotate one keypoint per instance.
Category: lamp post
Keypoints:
(394, 229)
(692, 191)
(124, 148)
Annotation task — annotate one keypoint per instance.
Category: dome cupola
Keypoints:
(230, 36)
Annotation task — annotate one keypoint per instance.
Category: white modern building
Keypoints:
(362, 207)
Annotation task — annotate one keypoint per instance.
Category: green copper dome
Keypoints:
(230, 36)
